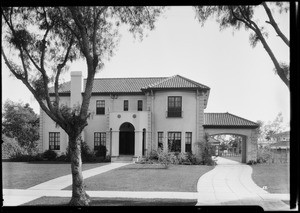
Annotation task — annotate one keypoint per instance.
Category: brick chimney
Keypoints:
(76, 88)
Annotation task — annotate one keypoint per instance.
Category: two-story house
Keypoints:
(132, 116)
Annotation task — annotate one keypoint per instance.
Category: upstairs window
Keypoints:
(188, 142)
(54, 140)
(100, 107)
(174, 106)
(140, 105)
(125, 105)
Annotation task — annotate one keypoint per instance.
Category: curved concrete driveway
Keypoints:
(230, 183)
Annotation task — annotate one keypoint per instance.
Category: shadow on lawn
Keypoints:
(63, 201)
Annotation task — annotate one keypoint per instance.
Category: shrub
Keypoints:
(154, 154)
(26, 157)
(101, 151)
(164, 159)
(251, 162)
(11, 148)
(50, 155)
(264, 155)
(206, 153)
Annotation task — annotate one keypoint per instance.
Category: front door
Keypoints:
(126, 139)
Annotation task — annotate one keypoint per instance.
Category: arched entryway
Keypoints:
(232, 147)
(126, 139)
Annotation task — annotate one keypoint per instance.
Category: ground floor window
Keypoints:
(99, 139)
(188, 142)
(174, 141)
(54, 140)
(160, 136)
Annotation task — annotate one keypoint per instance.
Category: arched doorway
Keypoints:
(126, 139)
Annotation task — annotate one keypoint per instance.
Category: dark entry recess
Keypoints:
(126, 139)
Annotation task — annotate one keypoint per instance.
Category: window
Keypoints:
(160, 136)
(140, 105)
(174, 106)
(99, 139)
(174, 141)
(188, 142)
(125, 105)
(100, 107)
(54, 140)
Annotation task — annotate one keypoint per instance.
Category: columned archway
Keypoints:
(249, 140)
(240, 151)
(126, 139)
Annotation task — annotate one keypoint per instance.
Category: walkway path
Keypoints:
(230, 183)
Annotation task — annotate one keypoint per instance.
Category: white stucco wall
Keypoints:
(162, 123)
(48, 125)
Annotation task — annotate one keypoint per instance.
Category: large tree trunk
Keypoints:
(79, 196)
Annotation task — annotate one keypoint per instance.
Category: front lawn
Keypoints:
(63, 201)
(275, 176)
(148, 177)
(22, 175)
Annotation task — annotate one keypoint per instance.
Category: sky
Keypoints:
(241, 78)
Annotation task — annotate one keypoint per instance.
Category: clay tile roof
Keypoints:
(176, 81)
(132, 85)
(226, 120)
(108, 85)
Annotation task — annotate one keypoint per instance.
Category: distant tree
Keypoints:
(272, 127)
(243, 15)
(223, 146)
(44, 40)
(19, 121)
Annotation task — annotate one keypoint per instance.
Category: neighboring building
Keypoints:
(132, 116)
(282, 141)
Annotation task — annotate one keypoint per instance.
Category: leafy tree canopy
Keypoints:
(19, 121)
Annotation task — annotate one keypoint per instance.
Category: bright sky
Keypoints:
(241, 78)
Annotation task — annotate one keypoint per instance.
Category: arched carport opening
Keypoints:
(226, 123)
(231, 146)
(126, 139)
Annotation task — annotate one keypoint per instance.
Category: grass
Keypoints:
(148, 177)
(275, 176)
(63, 201)
(22, 175)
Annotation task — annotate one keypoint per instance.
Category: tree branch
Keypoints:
(31, 89)
(44, 41)
(274, 24)
(85, 44)
(242, 20)
(59, 68)
(279, 70)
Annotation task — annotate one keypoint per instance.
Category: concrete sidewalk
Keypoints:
(230, 183)
(27, 195)
(65, 181)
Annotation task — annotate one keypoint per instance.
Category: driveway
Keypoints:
(230, 183)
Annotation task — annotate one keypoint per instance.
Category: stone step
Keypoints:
(122, 159)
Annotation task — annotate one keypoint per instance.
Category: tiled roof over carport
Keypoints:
(226, 120)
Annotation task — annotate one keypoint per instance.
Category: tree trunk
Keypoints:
(79, 196)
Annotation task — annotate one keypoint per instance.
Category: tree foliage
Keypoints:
(19, 121)
(267, 130)
(238, 16)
